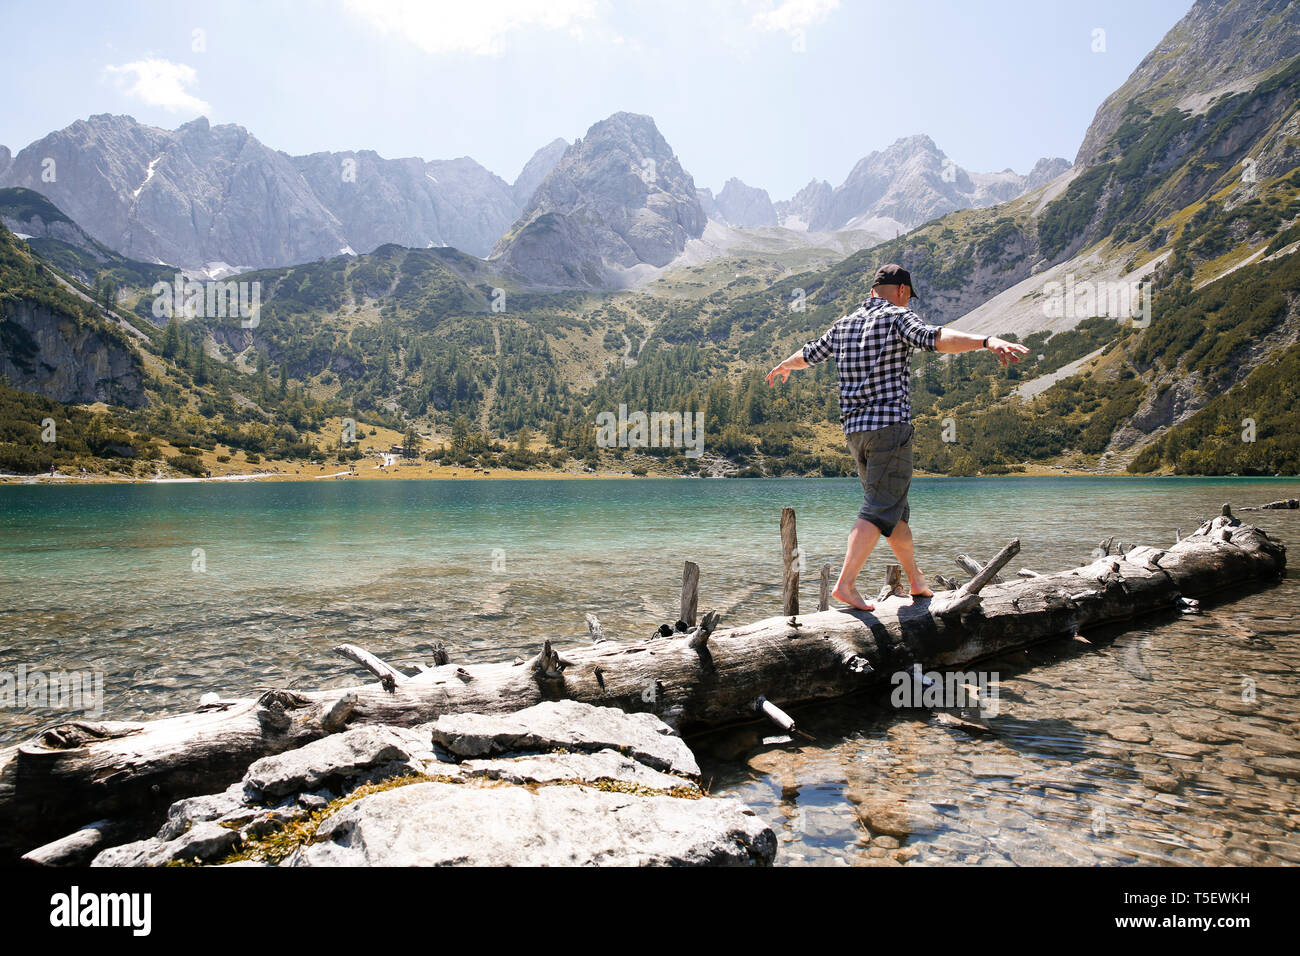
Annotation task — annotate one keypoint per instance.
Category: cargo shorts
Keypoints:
(884, 460)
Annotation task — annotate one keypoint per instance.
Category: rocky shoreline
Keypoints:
(561, 783)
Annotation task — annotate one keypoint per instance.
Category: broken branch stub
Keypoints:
(548, 663)
(893, 582)
(700, 636)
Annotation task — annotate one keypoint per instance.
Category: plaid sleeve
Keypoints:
(916, 333)
(819, 350)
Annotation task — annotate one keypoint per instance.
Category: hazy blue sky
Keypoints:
(776, 92)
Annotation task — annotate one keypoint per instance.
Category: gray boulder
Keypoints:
(568, 725)
(204, 841)
(437, 824)
(373, 752)
(184, 814)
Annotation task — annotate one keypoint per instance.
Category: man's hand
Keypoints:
(783, 370)
(1006, 352)
(795, 361)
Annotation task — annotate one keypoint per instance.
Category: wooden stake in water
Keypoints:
(824, 601)
(690, 592)
(790, 559)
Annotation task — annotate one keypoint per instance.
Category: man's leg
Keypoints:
(901, 542)
(862, 539)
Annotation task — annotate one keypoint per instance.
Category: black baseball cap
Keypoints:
(893, 274)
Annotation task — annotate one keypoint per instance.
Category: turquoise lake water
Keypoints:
(172, 591)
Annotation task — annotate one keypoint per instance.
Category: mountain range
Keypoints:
(898, 188)
(214, 199)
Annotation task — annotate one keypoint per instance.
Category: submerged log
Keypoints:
(83, 771)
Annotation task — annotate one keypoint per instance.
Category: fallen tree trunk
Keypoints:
(83, 771)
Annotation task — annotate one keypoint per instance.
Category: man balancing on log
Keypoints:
(873, 348)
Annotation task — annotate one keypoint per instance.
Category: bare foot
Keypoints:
(851, 597)
(924, 593)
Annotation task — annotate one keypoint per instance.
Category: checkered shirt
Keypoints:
(873, 348)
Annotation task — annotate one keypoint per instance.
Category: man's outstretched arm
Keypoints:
(952, 340)
(818, 350)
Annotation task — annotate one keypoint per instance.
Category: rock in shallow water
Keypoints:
(438, 824)
(891, 815)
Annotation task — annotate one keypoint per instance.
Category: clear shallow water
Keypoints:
(1136, 749)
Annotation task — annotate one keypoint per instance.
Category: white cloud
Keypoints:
(160, 83)
(794, 15)
(478, 26)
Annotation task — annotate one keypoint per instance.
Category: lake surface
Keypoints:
(1137, 748)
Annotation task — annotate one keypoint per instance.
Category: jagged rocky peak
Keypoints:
(6, 158)
(1045, 170)
(192, 196)
(744, 206)
(617, 199)
(805, 206)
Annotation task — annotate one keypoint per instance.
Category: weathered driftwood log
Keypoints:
(973, 567)
(990, 570)
(387, 674)
(85, 771)
(967, 596)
